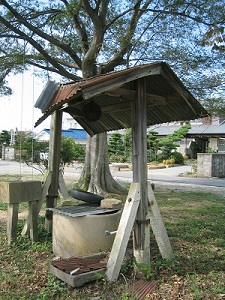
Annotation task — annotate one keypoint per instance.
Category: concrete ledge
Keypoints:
(119, 166)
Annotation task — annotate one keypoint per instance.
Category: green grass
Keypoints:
(195, 225)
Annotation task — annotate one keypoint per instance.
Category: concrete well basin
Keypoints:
(83, 233)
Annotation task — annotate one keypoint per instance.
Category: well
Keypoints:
(80, 230)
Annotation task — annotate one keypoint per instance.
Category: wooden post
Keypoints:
(12, 221)
(54, 162)
(139, 138)
(33, 223)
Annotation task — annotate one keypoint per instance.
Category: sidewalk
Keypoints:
(172, 171)
(13, 167)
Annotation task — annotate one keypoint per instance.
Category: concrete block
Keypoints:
(111, 203)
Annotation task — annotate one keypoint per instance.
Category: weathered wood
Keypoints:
(15, 192)
(62, 186)
(46, 183)
(19, 191)
(33, 223)
(45, 187)
(54, 151)
(12, 221)
(54, 162)
(139, 139)
(158, 226)
(131, 95)
(123, 233)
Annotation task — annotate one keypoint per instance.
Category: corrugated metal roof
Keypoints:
(76, 134)
(167, 98)
(81, 211)
(202, 129)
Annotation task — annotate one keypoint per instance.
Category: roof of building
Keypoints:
(76, 134)
(103, 103)
(200, 129)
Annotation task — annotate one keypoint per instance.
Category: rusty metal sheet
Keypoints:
(78, 265)
(142, 289)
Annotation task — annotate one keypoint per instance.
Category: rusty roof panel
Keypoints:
(78, 265)
(167, 98)
(142, 289)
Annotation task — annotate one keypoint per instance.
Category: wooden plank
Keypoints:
(54, 162)
(46, 184)
(62, 186)
(123, 233)
(33, 223)
(54, 151)
(12, 221)
(77, 280)
(20, 191)
(158, 226)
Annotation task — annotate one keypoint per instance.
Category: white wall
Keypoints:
(69, 122)
(213, 143)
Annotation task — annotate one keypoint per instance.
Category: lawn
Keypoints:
(195, 225)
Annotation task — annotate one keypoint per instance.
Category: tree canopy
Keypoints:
(97, 36)
(84, 38)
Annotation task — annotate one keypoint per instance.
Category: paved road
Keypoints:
(163, 176)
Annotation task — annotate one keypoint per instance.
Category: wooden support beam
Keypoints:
(54, 162)
(139, 138)
(12, 221)
(158, 226)
(130, 94)
(62, 186)
(123, 233)
(33, 224)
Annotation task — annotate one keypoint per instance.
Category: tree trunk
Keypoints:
(96, 176)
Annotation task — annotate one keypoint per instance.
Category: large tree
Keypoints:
(99, 36)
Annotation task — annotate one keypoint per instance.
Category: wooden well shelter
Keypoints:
(137, 97)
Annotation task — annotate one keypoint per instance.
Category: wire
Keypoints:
(21, 119)
(32, 145)
(21, 108)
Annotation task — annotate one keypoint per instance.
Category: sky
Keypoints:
(17, 110)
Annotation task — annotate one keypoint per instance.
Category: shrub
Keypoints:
(185, 157)
(178, 157)
(116, 158)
